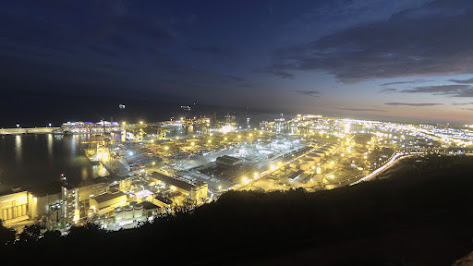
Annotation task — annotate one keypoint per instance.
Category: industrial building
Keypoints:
(197, 192)
(105, 203)
(226, 161)
(15, 207)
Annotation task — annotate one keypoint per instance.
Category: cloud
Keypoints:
(462, 81)
(359, 109)
(441, 89)
(452, 90)
(430, 40)
(411, 104)
(312, 93)
(278, 71)
(388, 90)
(405, 82)
(470, 103)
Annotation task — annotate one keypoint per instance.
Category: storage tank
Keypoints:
(324, 151)
(306, 163)
(118, 214)
(317, 158)
(331, 148)
(138, 210)
(128, 213)
(312, 154)
(304, 166)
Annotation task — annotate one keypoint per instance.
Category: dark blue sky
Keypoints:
(395, 59)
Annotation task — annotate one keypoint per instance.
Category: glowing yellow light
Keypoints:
(141, 122)
(166, 147)
(245, 180)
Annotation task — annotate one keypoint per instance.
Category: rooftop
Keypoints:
(172, 181)
(108, 196)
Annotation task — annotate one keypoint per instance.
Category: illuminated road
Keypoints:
(381, 169)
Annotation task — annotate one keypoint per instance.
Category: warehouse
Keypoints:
(226, 161)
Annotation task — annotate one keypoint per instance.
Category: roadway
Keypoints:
(387, 165)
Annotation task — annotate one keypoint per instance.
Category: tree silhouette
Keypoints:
(7, 236)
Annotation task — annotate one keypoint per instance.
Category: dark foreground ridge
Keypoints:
(419, 213)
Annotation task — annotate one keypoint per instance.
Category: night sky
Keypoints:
(405, 59)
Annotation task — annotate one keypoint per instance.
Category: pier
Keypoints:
(34, 130)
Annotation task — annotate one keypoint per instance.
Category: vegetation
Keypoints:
(419, 213)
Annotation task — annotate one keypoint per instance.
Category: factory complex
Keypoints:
(161, 168)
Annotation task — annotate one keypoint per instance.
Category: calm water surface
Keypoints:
(28, 160)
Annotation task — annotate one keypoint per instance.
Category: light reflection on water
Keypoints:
(18, 151)
(50, 144)
(39, 159)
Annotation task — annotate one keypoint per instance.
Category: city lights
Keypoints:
(333, 153)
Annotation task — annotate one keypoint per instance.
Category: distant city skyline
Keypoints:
(375, 59)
